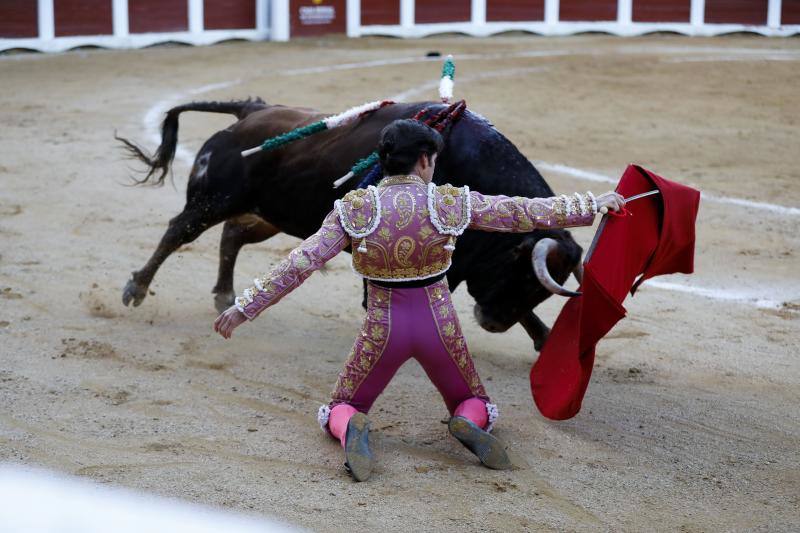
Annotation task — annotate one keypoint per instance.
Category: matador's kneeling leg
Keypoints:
(467, 424)
(358, 457)
(352, 429)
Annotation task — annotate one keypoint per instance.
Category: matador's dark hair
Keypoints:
(403, 141)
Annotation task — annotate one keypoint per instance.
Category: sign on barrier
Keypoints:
(318, 17)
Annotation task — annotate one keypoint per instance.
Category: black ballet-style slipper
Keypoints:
(356, 448)
(488, 448)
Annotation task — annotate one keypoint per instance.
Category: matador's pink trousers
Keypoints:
(402, 323)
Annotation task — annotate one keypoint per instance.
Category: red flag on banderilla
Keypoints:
(656, 236)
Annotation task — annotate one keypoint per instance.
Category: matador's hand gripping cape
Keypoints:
(656, 237)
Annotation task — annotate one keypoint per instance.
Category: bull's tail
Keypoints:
(158, 164)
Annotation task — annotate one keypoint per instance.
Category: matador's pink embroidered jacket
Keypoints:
(404, 229)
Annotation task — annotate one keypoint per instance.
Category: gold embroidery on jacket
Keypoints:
(425, 232)
(400, 179)
(404, 204)
(426, 271)
(403, 250)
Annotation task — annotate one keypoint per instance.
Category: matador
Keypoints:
(403, 233)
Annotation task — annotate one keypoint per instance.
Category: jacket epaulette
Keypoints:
(450, 208)
(359, 211)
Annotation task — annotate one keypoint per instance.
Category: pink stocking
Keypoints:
(340, 416)
(473, 409)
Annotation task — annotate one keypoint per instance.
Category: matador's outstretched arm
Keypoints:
(301, 262)
(519, 214)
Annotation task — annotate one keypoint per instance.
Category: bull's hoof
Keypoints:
(133, 292)
(223, 300)
(538, 342)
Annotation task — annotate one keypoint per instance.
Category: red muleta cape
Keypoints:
(656, 237)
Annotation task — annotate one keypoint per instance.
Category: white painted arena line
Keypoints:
(708, 197)
(719, 50)
(729, 58)
(727, 54)
(713, 53)
(155, 115)
(574, 172)
(356, 65)
(432, 85)
(757, 298)
(754, 298)
(417, 59)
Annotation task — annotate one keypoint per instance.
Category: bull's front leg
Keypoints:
(183, 229)
(238, 231)
(536, 329)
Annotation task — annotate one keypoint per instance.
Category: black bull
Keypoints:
(290, 190)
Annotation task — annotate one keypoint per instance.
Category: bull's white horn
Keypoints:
(541, 252)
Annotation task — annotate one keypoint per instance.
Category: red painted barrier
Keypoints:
(158, 15)
(588, 10)
(18, 18)
(514, 10)
(229, 14)
(790, 12)
(83, 17)
(428, 11)
(380, 12)
(736, 12)
(662, 10)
